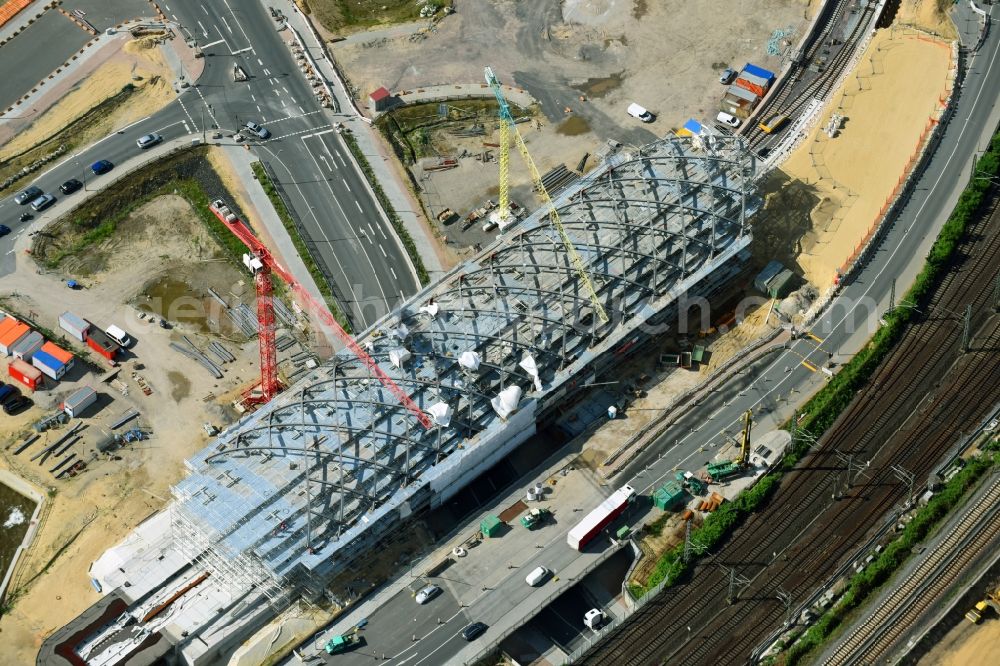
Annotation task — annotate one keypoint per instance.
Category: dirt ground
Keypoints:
(117, 66)
(665, 55)
(930, 15)
(966, 644)
(842, 181)
(112, 497)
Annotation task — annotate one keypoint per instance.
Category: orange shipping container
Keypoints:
(58, 353)
(10, 336)
(751, 86)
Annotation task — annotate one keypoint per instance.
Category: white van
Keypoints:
(728, 119)
(537, 576)
(641, 113)
(119, 336)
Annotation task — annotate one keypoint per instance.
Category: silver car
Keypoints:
(428, 593)
(28, 195)
(258, 130)
(147, 140)
(43, 202)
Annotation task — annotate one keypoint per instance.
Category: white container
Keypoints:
(76, 326)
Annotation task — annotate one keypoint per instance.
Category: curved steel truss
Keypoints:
(289, 484)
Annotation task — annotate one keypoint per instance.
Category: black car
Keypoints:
(4, 230)
(70, 186)
(8, 392)
(17, 405)
(474, 631)
(763, 152)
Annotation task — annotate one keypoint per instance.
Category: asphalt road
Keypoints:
(354, 244)
(778, 383)
(24, 62)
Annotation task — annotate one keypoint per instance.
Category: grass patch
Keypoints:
(353, 15)
(62, 142)
(397, 224)
(286, 219)
(823, 408)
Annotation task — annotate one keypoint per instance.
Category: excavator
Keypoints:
(992, 600)
(721, 470)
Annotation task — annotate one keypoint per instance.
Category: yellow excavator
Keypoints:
(992, 600)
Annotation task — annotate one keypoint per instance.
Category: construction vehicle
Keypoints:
(343, 643)
(261, 264)
(726, 468)
(992, 600)
(535, 517)
(504, 217)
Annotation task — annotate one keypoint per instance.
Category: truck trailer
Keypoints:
(601, 517)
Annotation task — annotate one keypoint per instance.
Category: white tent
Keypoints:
(505, 403)
(441, 413)
(430, 308)
(399, 356)
(528, 365)
(469, 360)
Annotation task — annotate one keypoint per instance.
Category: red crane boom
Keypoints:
(262, 268)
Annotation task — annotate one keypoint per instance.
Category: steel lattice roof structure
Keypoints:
(288, 492)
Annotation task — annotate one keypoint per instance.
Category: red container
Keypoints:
(751, 86)
(28, 375)
(101, 343)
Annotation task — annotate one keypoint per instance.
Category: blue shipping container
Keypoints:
(759, 71)
(48, 364)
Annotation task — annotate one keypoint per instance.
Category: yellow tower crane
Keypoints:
(507, 126)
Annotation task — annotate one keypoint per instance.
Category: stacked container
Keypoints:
(755, 84)
(59, 354)
(74, 325)
(26, 374)
(27, 346)
(11, 332)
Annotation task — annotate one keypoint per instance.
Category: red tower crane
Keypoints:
(261, 263)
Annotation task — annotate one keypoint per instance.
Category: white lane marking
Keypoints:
(260, 62)
(203, 30)
(168, 126)
(253, 97)
(211, 112)
(342, 162)
(371, 229)
(258, 110)
(267, 72)
(166, 6)
(393, 271)
(346, 185)
(235, 20)
(249, 48)
(301, 110)
(283, 105)
(323, 157)
(383, 251)
(358, 205)
(225, 23)
(179, 101)
(286, 90)
(204, 10)
(326, 131)
(174, 16)
(215, 43)
(186, 128)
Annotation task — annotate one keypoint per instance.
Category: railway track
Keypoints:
(925, 586)
(811, 532)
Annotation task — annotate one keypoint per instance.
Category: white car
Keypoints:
(537, 577)
(147, 140)
(728, 119)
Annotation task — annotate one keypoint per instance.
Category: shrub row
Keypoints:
(397, 224)
(864, 584)
(300, 247)
(824, 407)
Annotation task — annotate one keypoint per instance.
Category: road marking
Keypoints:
(260, 62)
(179, 101)
(204, 10)
(249, 48)
(282, 102)
(253, 97)
(323, 157)
(187, 129)
(258, 109)
(346, 185)
(358, 205)
(393, 271)
(819, 340)
(233, 14)
(371, 229)
(286, 90)
(215, 43)
(166, 6)
(179, 122)
(301, 110)
(267, 72)
(225, 23)
(203, 30)
(383, 251)
(211, 112)
(809, 366)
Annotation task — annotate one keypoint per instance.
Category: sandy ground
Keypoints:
(118, 67)
(665, 55)
(114, 496)
(844, 181)
(930, 15)
(967, 644)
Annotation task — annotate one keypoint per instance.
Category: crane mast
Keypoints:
(507, 127)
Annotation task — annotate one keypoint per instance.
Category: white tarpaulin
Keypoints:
(505, 404)
(399, 356)
(400, 332)
(430, 308)
(441, 413)
(528, 365)
(470, 360)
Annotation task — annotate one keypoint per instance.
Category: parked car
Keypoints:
(258, 130)
(17, 405)
(728, 119)
(4, 230)
(537, 576)
(43, 202)
(764, 152)
(101, 166)
(474, 631)
(147, 140)
(8, 392)
(28, 195)
(70, 186)
(727, 76)
(428, 593)
(640, 112)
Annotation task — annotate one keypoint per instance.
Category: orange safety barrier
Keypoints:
(10, 9)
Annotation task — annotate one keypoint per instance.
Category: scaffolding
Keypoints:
(285, 497)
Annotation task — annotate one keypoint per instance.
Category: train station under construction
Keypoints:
(277, 504)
